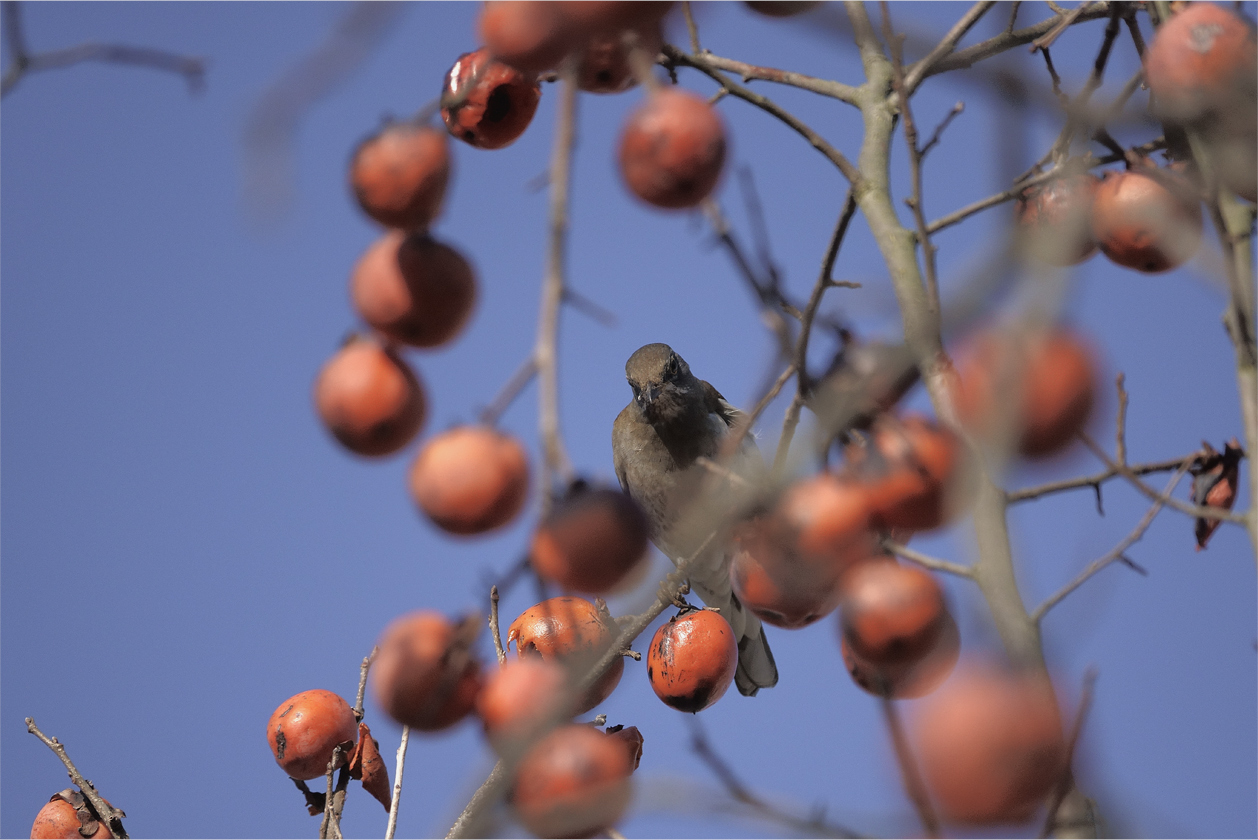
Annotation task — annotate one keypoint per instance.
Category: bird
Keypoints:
(665, 444)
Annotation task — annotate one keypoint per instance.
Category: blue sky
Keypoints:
(184, 546)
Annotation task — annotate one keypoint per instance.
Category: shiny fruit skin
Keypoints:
(420, 677)
(400, 175)
(907, 470)
(572, 783)
(991, 746)
(521, 699)
(910, 679)
(1053, 374)
(672, 149)
(59, 821)
(1141, 224)
(369, 398)
(1056, 219)
(891, 613)
(497, 109)
(305, 729)
(590, 541)
(1202, 60)
(789, 563)
(413, 289)
(470, 479)
(570, 631)
(692, 660)
(529, 35)
(603, 64)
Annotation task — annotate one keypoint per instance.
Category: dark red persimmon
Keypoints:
(692, 659)
(603, 62)
(891, 613)
(306, 728)
(908, 679)
(572, 783)
(590, 541)
(60, 819)
(781, 8)
(369, 398)
(631, 739)
(1140, 223)
(489, 104)
(1046, 384)
(570, 631)
(1202, 61)
(529, 35)
(789, 562)
(521, 699)
(672, 149)
(1055, 218)
(470, 479)
(425, 675)
(414, 289)
(991, 745)
(399, 176)
(907, 466)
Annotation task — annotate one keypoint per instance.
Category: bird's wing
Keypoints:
(718, 405)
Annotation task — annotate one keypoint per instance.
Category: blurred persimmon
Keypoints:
(520, 699)
(574, 782)
(909, 468)
(425, 675)
(908, 679)
(1202, 60)
(570, 631)
(470, 479)
(369, 398)
(1055, 219)
(591, 540)
(891, 613)
(399, 176)
(529, 35)
(1142, 223)
(672, 149)
(486, 103)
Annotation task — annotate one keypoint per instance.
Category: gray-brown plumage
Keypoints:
(674, 419)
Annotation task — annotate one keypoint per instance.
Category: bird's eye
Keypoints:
(670, 367)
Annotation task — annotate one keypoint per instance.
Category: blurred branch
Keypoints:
(1066, 783)
(111, 815)
(22, 61)
(1095, 481)
(709, 63)
(912, 779)
(925, 560)
(921, 69)
(492, 413)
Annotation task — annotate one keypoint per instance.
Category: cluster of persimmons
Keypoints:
(991, 746)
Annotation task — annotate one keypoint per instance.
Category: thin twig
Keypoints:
(1065, 22)
(921, 69)
(1120, 424)
(493, 625)
(397, 783)
(1008, 40)
(1067, 777)
(943, 125)
(492, 413)
(1096, 480)
(750, 72)
(1116, 553)
(693, 30)
(112, 816)
(362, 682)
(925, 560)
(913, 785)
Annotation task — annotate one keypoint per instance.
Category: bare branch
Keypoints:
(492, 413)
(493, 625)
(111, 815)
(1096, 480)
(362, 682)
(1067, 779)
(1008, 40)
(925, 560)
(750, 72)
(912, 779)
(397, 783)
(921, 69)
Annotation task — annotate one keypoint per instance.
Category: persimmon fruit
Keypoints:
(1202, 61)
(369, 398)
(907, 679)
(590, 541)
(908, 466)
(692, 660)
(470, 479)
(891, 613)
(603, 64)
(399, 176)
(488, 104)
(1055, 219)
(572, 632)
(672, 149)
(1141, 223)
(304, 730)
(521, 699)
(574, 782)
(530, 35)
(413, 289)
(60, 819)
(425, 676)
(593, 17)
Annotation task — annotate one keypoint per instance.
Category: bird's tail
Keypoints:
(756, 668)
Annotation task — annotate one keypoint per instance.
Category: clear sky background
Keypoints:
(184, 546)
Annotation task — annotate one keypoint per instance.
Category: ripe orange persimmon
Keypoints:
(521, 699)
(1056, 219)
(672, 149)
(529, 35)
(413, 289)
(470, 479)
(425, 675)
(991, 745)
(489, 103)
(1140, 223)
(60, 818)
(572, 783)
(1046, 384)
(891, 613)
(908, 466)
(369, 398)
(591, 540)
(789, 562)
(908, 679)
(570, 631)
(603, 62)
(399, 176)
(1201, 61)
(692, 659)
(305, 729)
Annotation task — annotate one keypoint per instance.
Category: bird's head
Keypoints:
(664, 389)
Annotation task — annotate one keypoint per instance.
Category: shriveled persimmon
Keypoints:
(603, 64)
(488, 104)
(908, 467)
(521, 699)
(69, 814)
(631, 739)
(426, 675)
(672, 149)
(991, 745)
(591, 540)
(570, 631)
(1148, 223)
(574, 782)
(414, 289)
(369, 398)
(891, 613)
(1055, 219)
(399, 176)
(692, 659)
(907, 679)
(789, 561)
(305, 729)
(1201, 62)
(1043, 384)
(470, 479)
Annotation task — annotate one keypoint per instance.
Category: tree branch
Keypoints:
(111, 815)
(925, 560)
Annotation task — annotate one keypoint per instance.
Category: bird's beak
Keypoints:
(647, 395)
